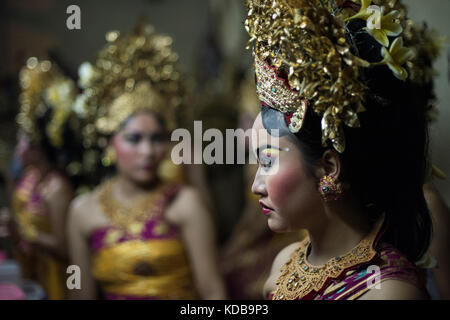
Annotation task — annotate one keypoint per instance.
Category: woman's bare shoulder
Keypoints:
(280, 260)
(283, 256)
(84, 201)
(56, 186)
(84, 210)
(185, 205)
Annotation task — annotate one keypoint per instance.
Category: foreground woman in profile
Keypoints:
(343, 149)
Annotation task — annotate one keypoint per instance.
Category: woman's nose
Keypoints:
(146, 148)
(259, 185)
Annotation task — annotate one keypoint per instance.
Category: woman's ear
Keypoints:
(331, 163)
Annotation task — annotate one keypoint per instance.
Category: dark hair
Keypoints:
(385, 160)
(70, 150)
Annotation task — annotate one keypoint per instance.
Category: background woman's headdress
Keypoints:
(44, 88)
(133, 72)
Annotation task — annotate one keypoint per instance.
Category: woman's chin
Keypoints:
(276, 226)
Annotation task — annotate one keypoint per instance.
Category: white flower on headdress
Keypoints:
(87, 74)
(363, 13)
(79, 106)
(396, 57)
(388, 27)
(60, 94)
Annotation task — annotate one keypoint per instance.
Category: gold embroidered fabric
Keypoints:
(299, 278)
(155, 268)
(31, 216)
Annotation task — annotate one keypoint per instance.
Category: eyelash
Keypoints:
(137, 138)
(266, 161)
(133, 139)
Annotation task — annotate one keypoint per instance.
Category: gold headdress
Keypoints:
(133, 72)
(306, 42)
(44, 87)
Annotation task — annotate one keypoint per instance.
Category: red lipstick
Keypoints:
(265, 209)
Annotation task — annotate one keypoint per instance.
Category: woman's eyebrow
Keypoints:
(267, 146)
(144, 133)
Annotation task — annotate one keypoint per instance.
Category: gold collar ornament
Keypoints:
(306, 41)
(300, 279)
(130, 220)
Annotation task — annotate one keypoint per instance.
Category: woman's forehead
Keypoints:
(262, 138)
(142, 121)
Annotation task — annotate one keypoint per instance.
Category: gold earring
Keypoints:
(110, 157)
(330, 188)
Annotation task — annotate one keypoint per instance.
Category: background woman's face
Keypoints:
(27, 153)
(288, 192)
(140, 147)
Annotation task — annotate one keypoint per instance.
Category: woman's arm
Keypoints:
(79, 250)
(58, 196)
(199, 236)
(440, 243)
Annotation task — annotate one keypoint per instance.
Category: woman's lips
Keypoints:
(265, 209)
(147, 167)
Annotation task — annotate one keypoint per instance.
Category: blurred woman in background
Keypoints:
(138, 235)
(46, 149)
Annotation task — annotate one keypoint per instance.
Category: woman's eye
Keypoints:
(266, 161)
(267, 157)
(133, 138)
(157, 138)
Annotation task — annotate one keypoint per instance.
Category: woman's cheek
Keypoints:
(125, 153)
(281, 185)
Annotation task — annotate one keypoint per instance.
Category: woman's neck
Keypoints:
(341, 229)
(128, 189)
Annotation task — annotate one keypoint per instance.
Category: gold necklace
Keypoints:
(129, 219)
(299, 278)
